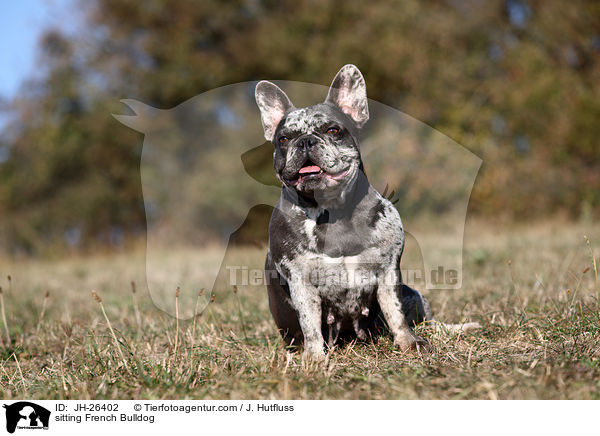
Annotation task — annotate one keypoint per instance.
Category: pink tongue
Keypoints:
(310, 169)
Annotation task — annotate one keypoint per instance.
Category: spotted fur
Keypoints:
(334, 242)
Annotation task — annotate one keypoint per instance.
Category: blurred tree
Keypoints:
(515, 81)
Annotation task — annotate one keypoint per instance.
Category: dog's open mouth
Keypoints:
(310, 170)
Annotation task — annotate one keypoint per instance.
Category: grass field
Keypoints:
(533, 288)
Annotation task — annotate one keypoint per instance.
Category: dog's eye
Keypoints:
(283, 139)
(333, 130)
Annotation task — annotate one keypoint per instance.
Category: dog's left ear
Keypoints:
(348, 91)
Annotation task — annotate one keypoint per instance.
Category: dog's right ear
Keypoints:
(273, 104)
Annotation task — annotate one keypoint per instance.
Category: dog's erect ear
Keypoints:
(349, 92)
(273, 104)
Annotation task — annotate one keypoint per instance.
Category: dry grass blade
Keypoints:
(593, 259)
(177, 292)
(6, 331)
(136, 309)
(112, 332)
(21, 374)
(42, 312)
(235, 291)
(210, 311)
(197, 314)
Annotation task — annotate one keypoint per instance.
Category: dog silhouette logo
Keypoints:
(26, 415)
(206, 171)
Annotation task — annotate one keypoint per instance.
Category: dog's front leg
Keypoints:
(307, 303)
(391, 307)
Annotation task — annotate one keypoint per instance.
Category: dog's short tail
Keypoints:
(439, 326)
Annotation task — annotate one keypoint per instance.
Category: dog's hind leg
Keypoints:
(415, 306)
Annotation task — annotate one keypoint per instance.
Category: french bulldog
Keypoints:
(335, 243)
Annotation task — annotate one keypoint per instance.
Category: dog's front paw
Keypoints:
(313, 352)
(407, 340)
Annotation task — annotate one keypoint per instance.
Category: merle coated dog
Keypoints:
(335, 243)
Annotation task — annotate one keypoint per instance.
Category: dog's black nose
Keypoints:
(307, 141)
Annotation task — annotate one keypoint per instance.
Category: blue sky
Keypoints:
(22, 23)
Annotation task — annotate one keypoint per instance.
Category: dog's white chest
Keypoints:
(335, 274)
(346, 283)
